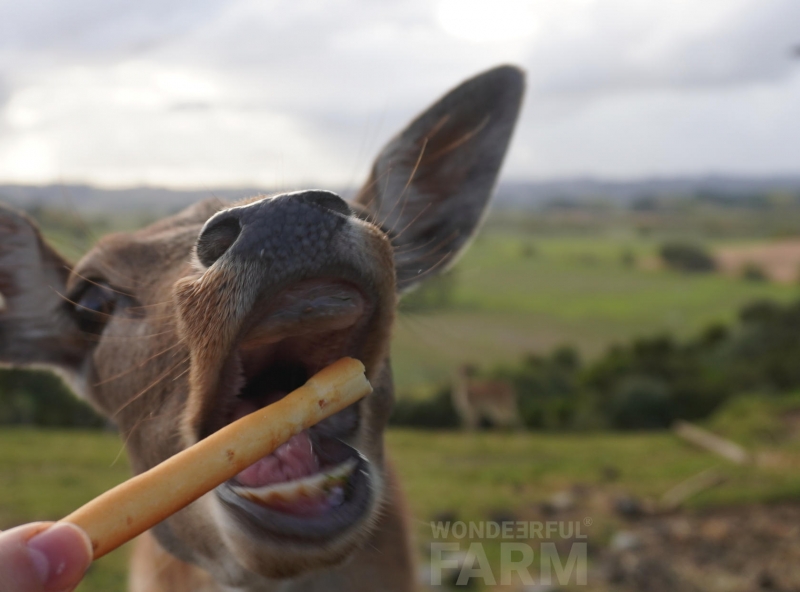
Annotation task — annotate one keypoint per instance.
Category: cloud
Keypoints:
(752, 131)
(620, 46)
(244, 91)
(96, 28)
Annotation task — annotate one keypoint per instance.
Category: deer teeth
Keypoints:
(329, 483)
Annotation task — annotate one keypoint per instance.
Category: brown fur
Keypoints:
(152, 569)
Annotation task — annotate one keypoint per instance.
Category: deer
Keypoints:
(177, 329)
(479, 400)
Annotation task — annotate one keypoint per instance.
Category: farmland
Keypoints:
(515, 295)
(476, 477)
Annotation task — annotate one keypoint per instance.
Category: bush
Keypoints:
(433, 412)
(641, 402)
(40, 398)
(546, 387)
(764, 354)
(691, 373)
(687, 257)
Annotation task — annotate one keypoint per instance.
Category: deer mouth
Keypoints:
(317, 484)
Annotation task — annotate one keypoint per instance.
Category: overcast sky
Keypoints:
(204, 93)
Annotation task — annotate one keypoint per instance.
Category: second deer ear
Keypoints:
(430, 185)
(35, 329)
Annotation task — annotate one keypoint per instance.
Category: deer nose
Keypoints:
(217, 236)
(285, 229)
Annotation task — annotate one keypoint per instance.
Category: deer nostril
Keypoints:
(217, 236)
(325, 199)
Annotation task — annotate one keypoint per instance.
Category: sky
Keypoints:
(210, 93)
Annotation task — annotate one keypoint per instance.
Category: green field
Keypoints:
(44, 475)
(47, 473)
(571, 290)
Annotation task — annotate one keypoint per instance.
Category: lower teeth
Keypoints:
(328, 485)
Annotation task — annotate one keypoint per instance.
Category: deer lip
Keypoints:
(351, 504)
(303, 329)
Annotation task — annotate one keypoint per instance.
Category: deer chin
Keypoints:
(317, 488)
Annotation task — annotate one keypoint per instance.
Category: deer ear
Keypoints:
(35, 328)
(430, 185)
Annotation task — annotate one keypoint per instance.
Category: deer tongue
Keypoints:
(293, 460)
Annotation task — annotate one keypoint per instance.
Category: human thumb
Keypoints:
(43, 557)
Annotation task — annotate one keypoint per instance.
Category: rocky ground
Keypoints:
(749, 548)
(633, 548)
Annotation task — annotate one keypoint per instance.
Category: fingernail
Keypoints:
(61, 554)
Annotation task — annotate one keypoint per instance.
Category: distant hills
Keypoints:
(522, 195)
(510, 194)
(88, 199)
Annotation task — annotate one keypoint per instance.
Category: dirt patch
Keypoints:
(634, 548)
(722, 550)
(779, 261)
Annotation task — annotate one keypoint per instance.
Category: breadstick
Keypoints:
(129, 509)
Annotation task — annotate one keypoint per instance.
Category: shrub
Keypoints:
(641, 402)
(546, 388)
(763, 355)
(41, 398)
(433, 412)
(687, 257)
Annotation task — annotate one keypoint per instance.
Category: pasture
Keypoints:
(482, 476)
(515, 294)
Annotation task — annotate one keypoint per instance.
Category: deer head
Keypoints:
(175, 330)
